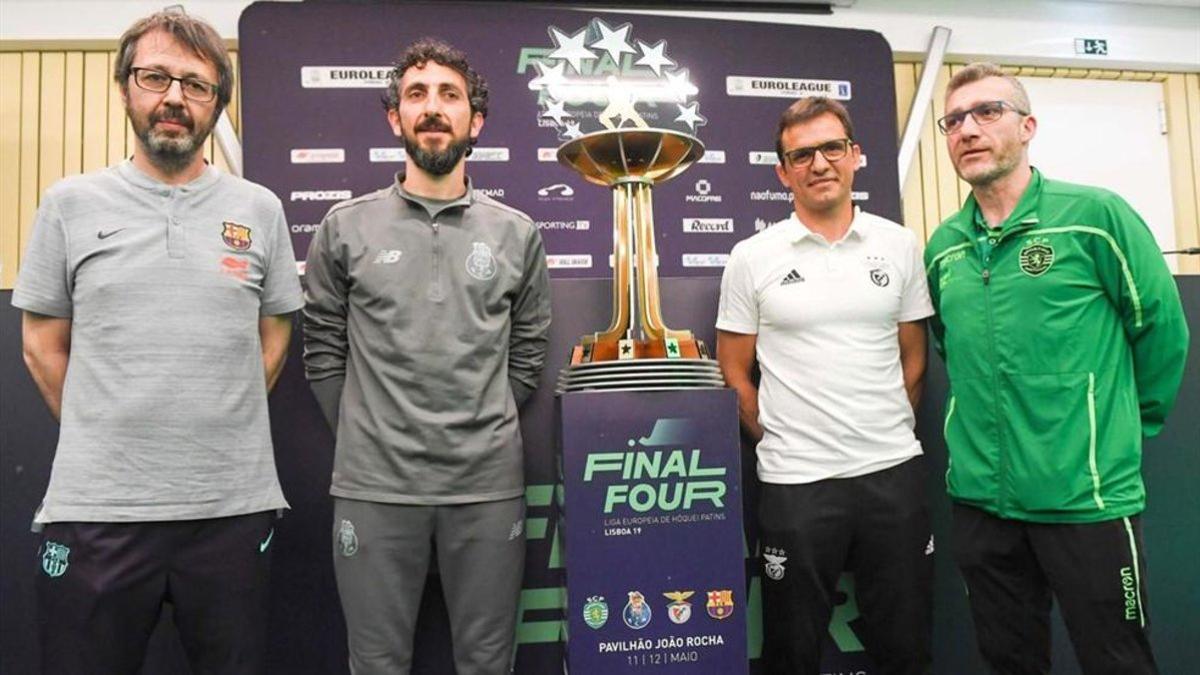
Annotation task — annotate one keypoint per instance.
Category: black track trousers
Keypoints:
(1096, 571)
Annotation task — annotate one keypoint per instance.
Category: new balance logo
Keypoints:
(792, 277)
(387, 257)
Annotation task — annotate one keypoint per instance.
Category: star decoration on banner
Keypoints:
(575, 93)
(556, 110)
(548, 76)
(679, 86)
(653, 57)
(571, 49)
(615, 42)
(689, 115)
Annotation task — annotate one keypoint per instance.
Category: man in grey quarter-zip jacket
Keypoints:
(427, 310)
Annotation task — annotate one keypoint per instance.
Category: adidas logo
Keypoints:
(792, 277)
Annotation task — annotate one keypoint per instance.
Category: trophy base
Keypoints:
(640, 365)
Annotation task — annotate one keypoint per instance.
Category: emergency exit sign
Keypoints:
(1091, 46)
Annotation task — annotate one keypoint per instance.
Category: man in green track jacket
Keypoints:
(1065, 343)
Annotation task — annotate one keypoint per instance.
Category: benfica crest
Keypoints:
(720, 604)
(235, 236)
(1036, 256)
(54, 559)
(680, 610)
(773, 559)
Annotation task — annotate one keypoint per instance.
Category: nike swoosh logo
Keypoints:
(105, 235)
(262, 545)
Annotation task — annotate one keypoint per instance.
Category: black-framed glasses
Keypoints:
(158, 82)
(984, 113)
(832, 151)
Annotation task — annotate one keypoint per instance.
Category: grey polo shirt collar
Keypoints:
(137, 177)
(434, 206)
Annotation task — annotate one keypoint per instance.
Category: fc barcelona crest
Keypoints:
(1036, 256)
(720, 604)
(235, 236)
(54, 559)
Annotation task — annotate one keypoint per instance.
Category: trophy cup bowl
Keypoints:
(637, 351)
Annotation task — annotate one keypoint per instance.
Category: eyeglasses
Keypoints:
(159, 82)
(832, 151)
(984, 113)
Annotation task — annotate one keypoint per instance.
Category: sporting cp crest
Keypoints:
(773, 559)
(481, 264)
(595, 612)
(347, 539)
(1036, 256)
(636, 613)
(720, 604)
(54, 559)
(236, 237)
(680, 610)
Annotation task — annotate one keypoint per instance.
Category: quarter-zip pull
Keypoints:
(435, 286)
(987, 276)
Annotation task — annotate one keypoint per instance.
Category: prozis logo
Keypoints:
(703, 193)
(707, 225)
(558, 192)
(320, 195)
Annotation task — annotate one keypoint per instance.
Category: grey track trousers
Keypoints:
(381, 555)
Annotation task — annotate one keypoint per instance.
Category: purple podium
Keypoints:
(652, 519)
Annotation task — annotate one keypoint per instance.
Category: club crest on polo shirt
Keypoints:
(1037, 255)
(236, 236)
(347, 539)
(720, 604)
(636, 613)
(680, 610)
(595, 612)
(879, 277)
(773, 559)
(481, 264)
(54, 559)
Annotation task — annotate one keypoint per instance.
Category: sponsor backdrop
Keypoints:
(315, 130)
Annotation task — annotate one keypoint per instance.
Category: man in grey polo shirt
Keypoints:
(425, 327)
(157, 297)
(831, 304)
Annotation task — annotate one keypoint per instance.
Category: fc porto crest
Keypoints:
(720, 604)
(595, 612)
(235, 236)
(773, 559)
(54, 559)
(1036, 256)
(636, 613)
(680, 610)
(347, 539)
(481, 264)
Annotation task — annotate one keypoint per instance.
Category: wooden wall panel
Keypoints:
(95, 111)
(10, 166)
(27, 197)
(73, 115)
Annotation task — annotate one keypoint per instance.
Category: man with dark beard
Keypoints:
(427, 310)
(157, 297)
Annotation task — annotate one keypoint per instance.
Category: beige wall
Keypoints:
(60, 114)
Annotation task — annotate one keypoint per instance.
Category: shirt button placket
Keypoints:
(176, 237)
